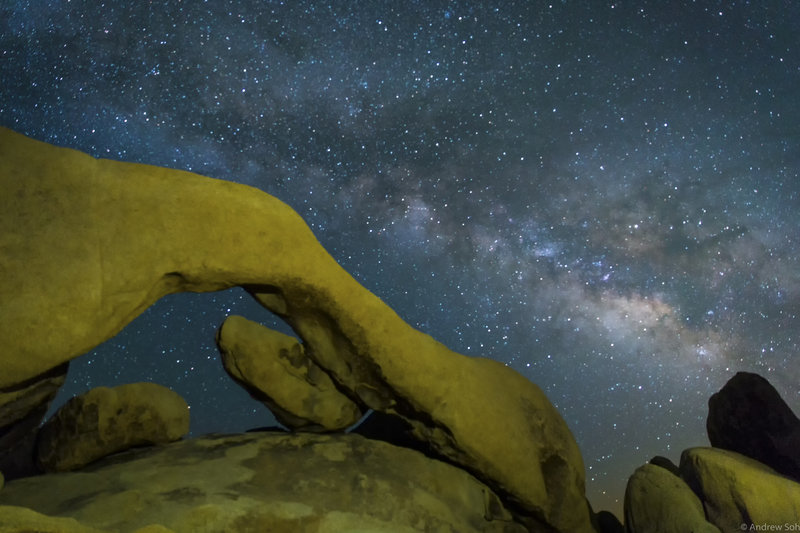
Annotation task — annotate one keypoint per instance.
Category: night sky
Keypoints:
(603, 196)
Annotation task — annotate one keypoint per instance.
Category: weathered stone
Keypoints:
(738, 490)
(22, 408)
(108, 420)
(275, 370)
(269, 482)
(14, 519)
(748, 416)
(658, 501)
(110, 241)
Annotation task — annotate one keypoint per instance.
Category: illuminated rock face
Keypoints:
(86, 245)
(737, 490)
(268, 482)
(275, 370)
(658, 501)
(107, 420)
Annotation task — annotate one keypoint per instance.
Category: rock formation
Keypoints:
(269, 482)
(22, 408)
(715, 489)
(108, 420)
(658, 501)
(275, 370)
(738, 490)
(748, 416)
(14, 519)
(89, 244)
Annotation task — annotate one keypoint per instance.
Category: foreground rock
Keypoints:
(749, 416)
(737, 490)
(274, 369)
(22, 409)
(268, 482)
(110, 241)
(108, 420)
(22, 520)
(658, 501)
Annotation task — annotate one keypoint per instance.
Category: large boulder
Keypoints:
(737, 490)
(269, 482)
(749, 416)
(275, 370)
(110, 240)
(658, 501)
(22, 409)
(106, 420)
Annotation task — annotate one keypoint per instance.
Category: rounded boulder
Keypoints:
(106, 420)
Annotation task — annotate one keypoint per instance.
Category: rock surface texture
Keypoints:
(275, 370)
(658, 501)
(268, 482)
(110, 240)
(108, 420)
(737, 490)
(749, 416)
(22, 408)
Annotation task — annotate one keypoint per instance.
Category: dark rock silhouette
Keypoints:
(663, 462)
(22, 409)
(748, 416)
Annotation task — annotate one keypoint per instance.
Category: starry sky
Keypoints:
(602, 195)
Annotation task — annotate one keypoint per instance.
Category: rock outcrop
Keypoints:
(268, 482)
(658, 501)
(275, 370)
(109, 241)
(749, 416)
(106, 420)
(14, 519)
(22, 409)
(737, 490)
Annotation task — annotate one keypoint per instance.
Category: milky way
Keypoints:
(603, 196)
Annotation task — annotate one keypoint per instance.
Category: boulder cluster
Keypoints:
(445, 442)
(746, 481)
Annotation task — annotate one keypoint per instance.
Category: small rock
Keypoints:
(658, 501)
(108, 420)
(736, 490)
(275, 370)
(748, 416)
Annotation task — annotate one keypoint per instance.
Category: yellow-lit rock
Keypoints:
(275, 369)
(658, 501)
(86, 245)
(275, 482)
(107, 420)
(15, 519)
(737, 490)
